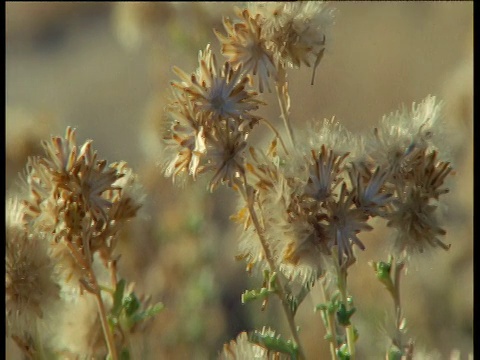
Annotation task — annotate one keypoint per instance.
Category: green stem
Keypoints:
(112, 350)
(342, 286)
(408, 348)
(397, 304)
(331, 326)
(107, 332)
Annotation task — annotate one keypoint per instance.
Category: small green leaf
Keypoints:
(131, 304)
(394, 353)
(112, 320)
(118, 297)
(125, 354)
(250, 295)
(383, 272)
(344, 315)
(343, 353)
(275, 343)
(142, 315)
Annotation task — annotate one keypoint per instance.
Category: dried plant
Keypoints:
(60, 243)
(307, 199)
(303, 205)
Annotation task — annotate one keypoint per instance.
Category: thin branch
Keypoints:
(269, 257)
(282, 96)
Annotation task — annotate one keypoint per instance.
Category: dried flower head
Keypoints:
(412, 213)
(404, 148)
(242, 349)
(324, 173)
(286, 227)
(402, 135)
(255, 345)
(210, 120)
(29, 275)
(333, 135)
(344, 223)
(78, 203)
(296, 31)
(80, 335)
(429, 175)
(371, 193)
(246, 46)
(226, 157)
(301, 215)
(126, 195)
(219, 93)
(417, 227)
(184, 139)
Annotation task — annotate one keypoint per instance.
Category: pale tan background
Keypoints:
(71, 64)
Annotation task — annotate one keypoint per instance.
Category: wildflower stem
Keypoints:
(269, 257)
(342, 286)
(26, 349)
(351, 341)
(96, 290)
(399, 321)
(271, 127)
(396, 300)
(283, 100)
(330, 324)
(112, 350)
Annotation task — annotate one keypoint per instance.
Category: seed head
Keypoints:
(242, 348)
(29, 275)
(246, 46)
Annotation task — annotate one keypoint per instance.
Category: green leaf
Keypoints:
(250, 295)
(344, 315)
(112, 320)
(394, 353)
(321, 307)
(343, 353)
(274, 343)
(142, 315)
(125, 354)
(118, 297)
(383, 270)
(131, 304)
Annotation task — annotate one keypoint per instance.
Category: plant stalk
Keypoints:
(330, 325)
(112, 350)
(282, 94)
(95, 288)
(280, 286)
(342, 286)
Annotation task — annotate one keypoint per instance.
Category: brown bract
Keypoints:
(245, 46)
(78, 203)
(210, 119)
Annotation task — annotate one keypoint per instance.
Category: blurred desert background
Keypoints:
(105, 69)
